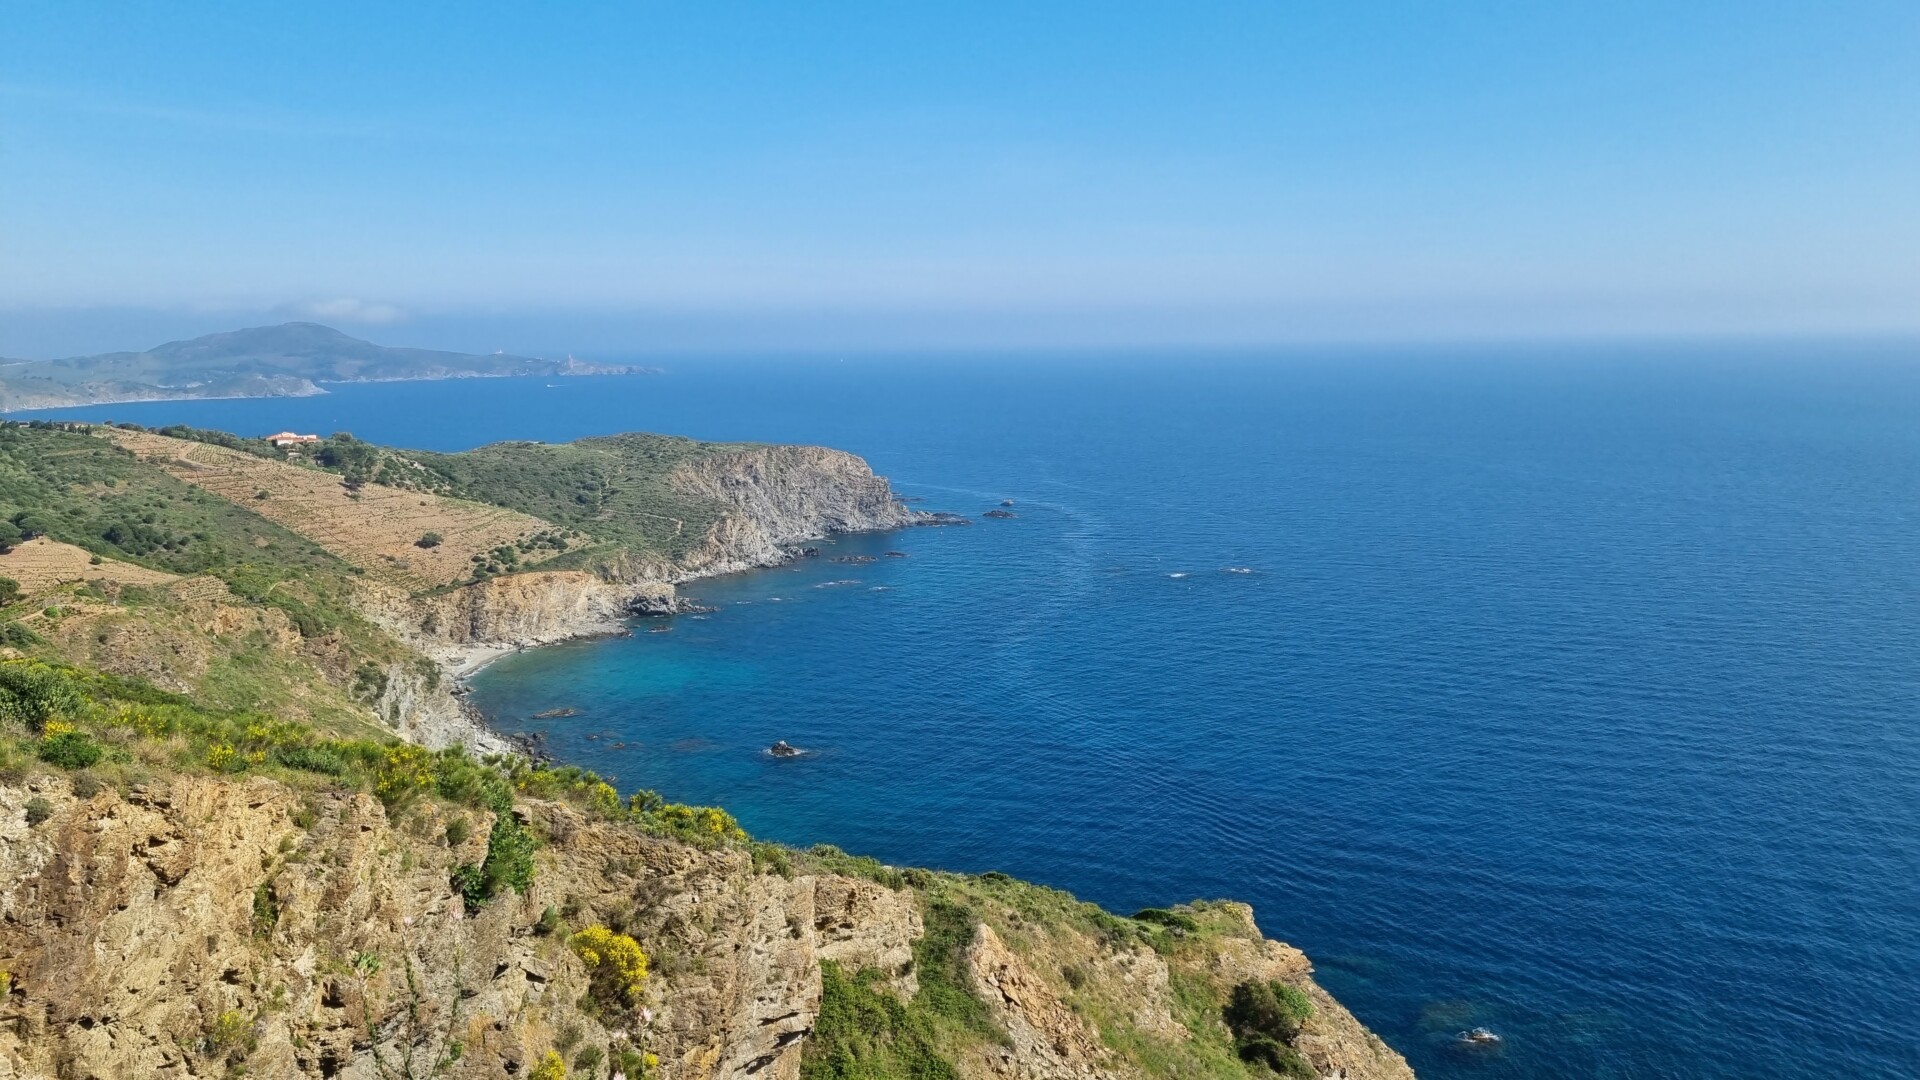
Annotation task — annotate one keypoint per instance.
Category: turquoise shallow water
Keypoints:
(1571, 693)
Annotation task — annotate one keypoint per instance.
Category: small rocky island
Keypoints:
(784, 749)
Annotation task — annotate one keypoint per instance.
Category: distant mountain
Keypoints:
(289, 360)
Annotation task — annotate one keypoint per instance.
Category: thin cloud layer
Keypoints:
(347, 309)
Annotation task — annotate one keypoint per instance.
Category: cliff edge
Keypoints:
(199, 926)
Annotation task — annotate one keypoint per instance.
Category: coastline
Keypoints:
(317, 388)
(459, 663)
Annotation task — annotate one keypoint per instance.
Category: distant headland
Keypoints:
(289, 360)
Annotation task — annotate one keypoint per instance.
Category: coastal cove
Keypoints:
(1489, 726)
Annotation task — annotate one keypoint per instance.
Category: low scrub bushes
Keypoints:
(1265, 1018)
(68, 749)
(508, 865)
(69, 711)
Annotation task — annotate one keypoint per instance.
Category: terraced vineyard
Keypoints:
(372, 526)
(41, 563)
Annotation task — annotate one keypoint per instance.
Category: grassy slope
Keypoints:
(602, 498)
(371, 525)
(81, 490)
(613, 489)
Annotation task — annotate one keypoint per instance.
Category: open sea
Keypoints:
(1573, 692)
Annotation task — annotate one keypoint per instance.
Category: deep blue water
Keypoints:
(1572, 692)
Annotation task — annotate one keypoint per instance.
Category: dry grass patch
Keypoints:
(376, 528)
(41, 564)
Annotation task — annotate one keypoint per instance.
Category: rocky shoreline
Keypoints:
(782, 500)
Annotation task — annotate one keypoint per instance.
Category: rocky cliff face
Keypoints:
(780, 496)
(198, 927)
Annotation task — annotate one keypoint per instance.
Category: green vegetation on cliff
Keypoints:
(613, 488)
(62, 714)
(62, 482)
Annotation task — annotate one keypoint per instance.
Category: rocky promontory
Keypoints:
(244, 831)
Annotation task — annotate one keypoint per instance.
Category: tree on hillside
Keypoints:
(32, 523)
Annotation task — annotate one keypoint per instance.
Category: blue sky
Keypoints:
(627, 177)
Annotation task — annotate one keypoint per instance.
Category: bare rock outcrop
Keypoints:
(780, 496)
(1046, 1040)
(196, 926)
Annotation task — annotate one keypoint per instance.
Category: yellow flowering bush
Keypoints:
(56, 727)
(141, 720)
(221, 757)
(701, 822)
(603, 800)
(404, 769)
(550, 1067)
(615, 963)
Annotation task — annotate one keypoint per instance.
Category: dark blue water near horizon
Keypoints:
(1572, 694)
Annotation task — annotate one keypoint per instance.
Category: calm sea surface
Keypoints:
(1572, 693)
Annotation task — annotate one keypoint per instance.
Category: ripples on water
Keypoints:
(1570, 695)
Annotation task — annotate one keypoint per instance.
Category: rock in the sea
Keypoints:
(860, 560)
(896, 554)
(783, 748)
(945, 518)
(1002, 514)
(1006, 502)
(555, 714)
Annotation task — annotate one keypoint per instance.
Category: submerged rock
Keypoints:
(784, 749)
(1002, 514)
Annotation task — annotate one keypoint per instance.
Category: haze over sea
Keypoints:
(1566, 691)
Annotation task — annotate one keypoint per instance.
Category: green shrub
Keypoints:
(939, 961)
(863, 1031)
(315, 759)
(458, 830)
(508, 865)
(31, 693)
(1171, 919)
(1275, 1055)
(266, 909)
(1265, 1018)
(69, 750)
(772, 859)
(9, 591)
(471, 884)
(38, 810)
